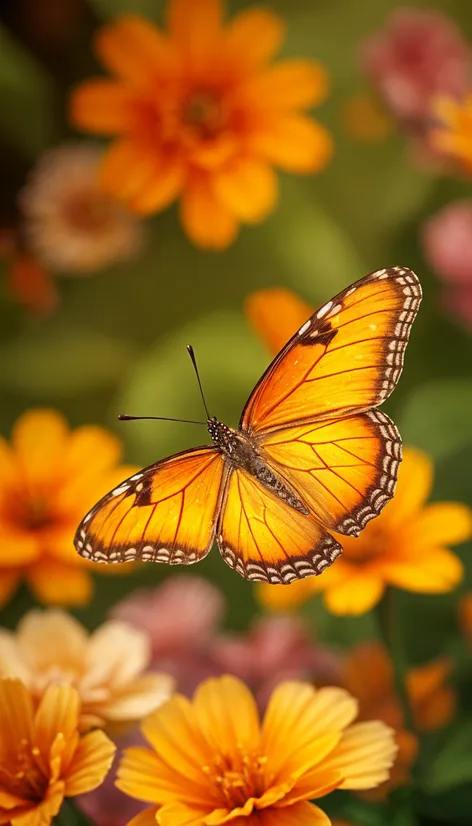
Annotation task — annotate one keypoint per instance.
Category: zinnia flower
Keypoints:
(453, 135)
(49, 478)
(368, 675)
(200, 114)
(70, 223)
(180, 616)
(43, 757)
(275, 649)
(106, 667)
(212, 761)
(406, 546)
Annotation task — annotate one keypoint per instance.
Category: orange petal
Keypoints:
(227, 714)
(288, 84)
(415, 479)
(435, 572)
(135, 50)
(276, 314)
(295, 143)
(127, 169)
(9, 582)
(90, 763)
(161, 189)
(40, 437)
(143, 775)
(354, 595)
(208, 223)
(368, 673)
(59, 584)
(145, 818)
(93, 447)
(102, 106)
(364, 755)
(58, 713)
(16, 716)
(301, 814)
(18, 548)
(195, 27)
(178, 814)
(31, 285)
(248, 189)
(442, 523)
(253, 37)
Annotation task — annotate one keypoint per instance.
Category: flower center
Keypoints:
(21, 775)
(203, 111)
(87, 211)
(33, 513)
(371, 544)
(238, 780)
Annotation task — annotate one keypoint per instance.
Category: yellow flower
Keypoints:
(200, 114)
(212, 761)
(50, 477)
(368, 675)
(43, 758)
(454, 136)
(106, 667)
(405, 546)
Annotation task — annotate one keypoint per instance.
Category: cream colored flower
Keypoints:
(106, 667)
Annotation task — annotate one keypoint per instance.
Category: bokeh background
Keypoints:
(114, 341)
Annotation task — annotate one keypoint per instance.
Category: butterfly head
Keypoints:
(221, 434)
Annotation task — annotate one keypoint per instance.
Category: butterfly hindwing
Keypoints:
(344, 470)
(347, 357)
(165, 513)
(265, 540)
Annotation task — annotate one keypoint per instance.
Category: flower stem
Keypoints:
(393, 638)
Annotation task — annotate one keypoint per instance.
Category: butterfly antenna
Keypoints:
(191, 353)
(123, 417)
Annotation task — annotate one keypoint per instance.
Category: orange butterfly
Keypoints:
(311, 454)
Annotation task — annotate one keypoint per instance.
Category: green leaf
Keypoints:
(230, 361)
(452, 765)
(437, 416)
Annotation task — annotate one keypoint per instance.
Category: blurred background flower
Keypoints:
(202, 115)
(50, 477)
(106, 667)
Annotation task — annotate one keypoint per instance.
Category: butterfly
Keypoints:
(312, 454)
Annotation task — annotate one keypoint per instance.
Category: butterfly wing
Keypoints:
(344, 470)
(346, 358)
(265, 540)
(166, 513)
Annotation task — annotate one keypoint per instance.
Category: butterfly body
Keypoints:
(312, 454)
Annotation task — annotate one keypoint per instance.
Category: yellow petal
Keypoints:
(300, 814)
(90, 763)
(144, 775)
(436, 572)
(253, 36)
(17, 548)
(415, 479)
(295, 143)
(227, 714)
(442, 523)
(91, 446)
(57, 713)
(40, 438)
(302, 725)
(354, 595)
(136, 51)
(247, 188)
(288, 84)
(16, 718)
(56, 583)
(102, 106)
(276, 314)
(146, 818)
(208, 223)
(178, 814)
(364, 755)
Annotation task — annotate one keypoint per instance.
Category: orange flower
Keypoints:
(106, 667)
(213, 762)
(199, 113)
(368, 675)
(43, 758)
(405, 546)
(49, 478)
(454, 137)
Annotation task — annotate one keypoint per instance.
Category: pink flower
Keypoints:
(418, 55)
(181, 616)
(275, 649)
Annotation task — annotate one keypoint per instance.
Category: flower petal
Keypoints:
(56, 583)
(146, 818)
(195, 27)
(117, 653)
(356, 594)
(436, 572)
(162, 188)
(102, 106)
(178, 814)
(16, 716)
(288, 84)
(91, 445)
(442, 523)
(39, 438)
(16, 548)
(247, 188)
(127, 168)
(144, 774)
(276, 314)
(58, 711)
(227, 714)
(208, 223)
(415, 479)
(364, 755)
(51, 639)
(295, 143)
(302, 725)
(90, 764)
(135, 50)
(140, 698)
(253, 36)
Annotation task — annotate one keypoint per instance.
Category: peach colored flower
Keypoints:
(50, 476)
(212, 761)
(201, 114)
(43, 757)
(106, 667)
